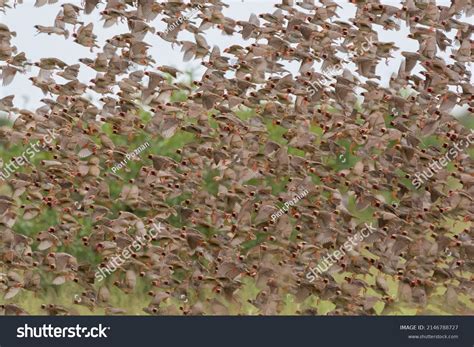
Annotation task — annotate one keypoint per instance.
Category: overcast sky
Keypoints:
(25, 16)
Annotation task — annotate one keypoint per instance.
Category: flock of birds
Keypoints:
(204, 254)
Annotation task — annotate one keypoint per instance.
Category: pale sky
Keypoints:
(25, 16)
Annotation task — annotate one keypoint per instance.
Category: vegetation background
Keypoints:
(133, 304)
